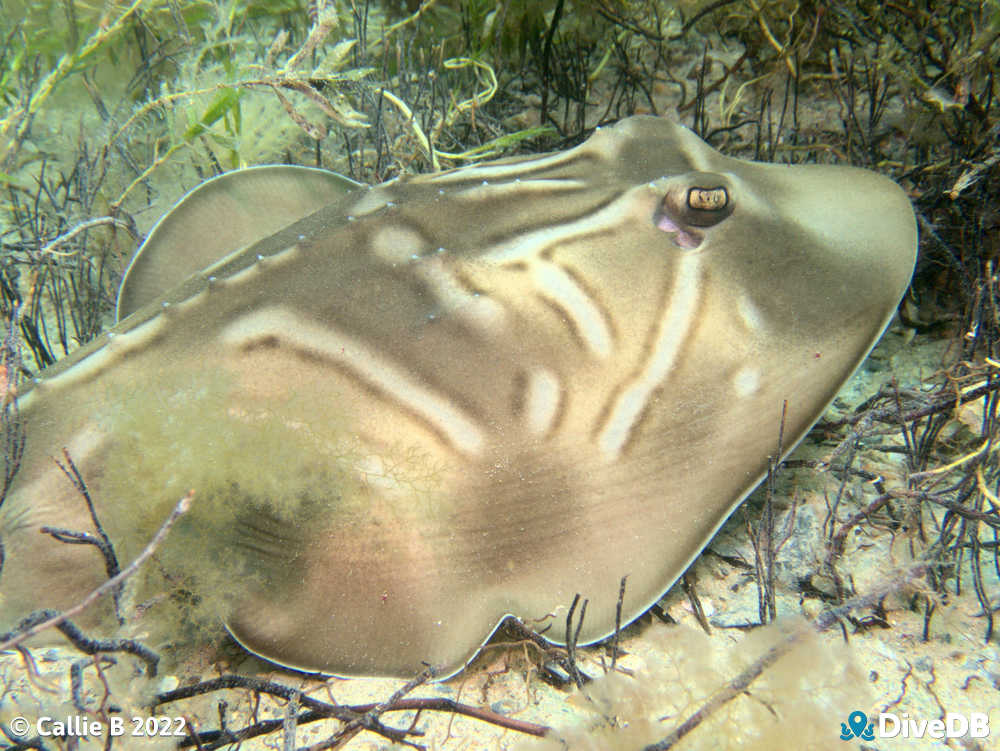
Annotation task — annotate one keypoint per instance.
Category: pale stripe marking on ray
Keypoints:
(116, 347)
(478, 310)
(674, 326)
(518, 188)
(520, 169)
(373, 199)
(525, 247)
(544, 395)
(460, 430)
(401, 245)
(588, 319)
(253, 268)
(278, 257)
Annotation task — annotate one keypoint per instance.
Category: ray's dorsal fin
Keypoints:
(219, 217)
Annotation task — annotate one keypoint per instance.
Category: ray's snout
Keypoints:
(867, 217)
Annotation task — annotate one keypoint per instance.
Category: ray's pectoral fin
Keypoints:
(221, 216)
(339, 593)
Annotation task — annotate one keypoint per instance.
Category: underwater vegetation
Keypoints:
(113, 112)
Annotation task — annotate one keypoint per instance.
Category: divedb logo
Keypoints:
(890, 725)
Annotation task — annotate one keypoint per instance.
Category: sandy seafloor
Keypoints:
(797, 703)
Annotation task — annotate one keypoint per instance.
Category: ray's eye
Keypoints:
(708, 199)
(695, 202)
(706, 206)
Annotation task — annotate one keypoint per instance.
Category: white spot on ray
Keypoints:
(542, 402)
(746, 382)
(749, 314)
(589, 320)
(373, 472)
(397, 244)
(460, 430)
(674, 327)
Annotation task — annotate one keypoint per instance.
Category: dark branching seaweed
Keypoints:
(353, 718)
(765, 538)
(81, 641)
(12, 431)
(63, 276)
(100, 540)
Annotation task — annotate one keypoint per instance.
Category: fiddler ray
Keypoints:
(410, 410)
